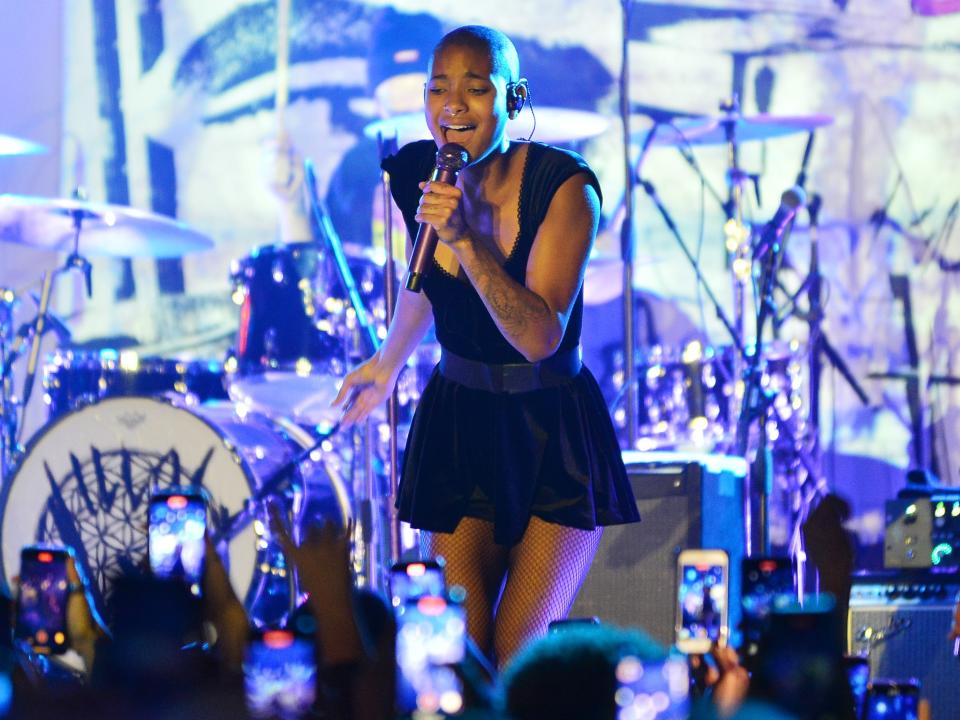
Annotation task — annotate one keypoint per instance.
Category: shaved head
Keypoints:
(504, 60)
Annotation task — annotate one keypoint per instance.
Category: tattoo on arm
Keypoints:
(514, 309)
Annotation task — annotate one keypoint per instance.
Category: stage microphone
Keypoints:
(451, 159)
(773, 230)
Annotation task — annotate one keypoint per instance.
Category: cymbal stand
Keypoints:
(42, 323)
(627, 235)
(368, 332)
(370, 526)
(386, 147)
(8, 413)
(736, 234)
(651, 192)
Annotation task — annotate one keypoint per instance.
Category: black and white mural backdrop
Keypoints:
(172, 106)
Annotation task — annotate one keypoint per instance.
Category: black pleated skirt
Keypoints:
(503, 457)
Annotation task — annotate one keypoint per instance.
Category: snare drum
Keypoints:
(74, 379)
(86, 479)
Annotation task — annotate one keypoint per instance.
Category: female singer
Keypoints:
(512, 465)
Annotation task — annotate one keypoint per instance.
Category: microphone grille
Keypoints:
(794, 197)
(452, 157)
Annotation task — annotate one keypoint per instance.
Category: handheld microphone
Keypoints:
(773, 230)
(451, 159)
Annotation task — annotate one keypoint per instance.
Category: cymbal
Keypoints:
(603, 278)
(712, 130)
(554, 125)
(10, 145)
(112, 230)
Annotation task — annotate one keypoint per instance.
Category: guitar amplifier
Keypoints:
(922, 532)
(686, 500)
(900, 621)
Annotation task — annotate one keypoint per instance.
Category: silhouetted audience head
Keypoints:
(571, 673)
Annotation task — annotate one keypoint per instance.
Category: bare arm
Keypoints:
(532, 317)
(371, 382)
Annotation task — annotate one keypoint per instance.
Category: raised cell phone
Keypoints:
(431, 638)
(858, 676)
(41, 612)
(411, 580)
(703, 579)
(892, 700)
(177, 522)
(280, 674)
(766, 582)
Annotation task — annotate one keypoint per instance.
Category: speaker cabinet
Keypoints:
(685, 501)
(901, 623)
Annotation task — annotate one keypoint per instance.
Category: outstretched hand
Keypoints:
(84, 626)
(223, 609)
(322, 562)
(363, 391)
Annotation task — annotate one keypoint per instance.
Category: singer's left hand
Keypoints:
(440, 207)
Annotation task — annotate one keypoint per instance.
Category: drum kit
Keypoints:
(256, 427)
(756, 396)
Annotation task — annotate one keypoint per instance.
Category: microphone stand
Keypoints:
(754, 406)
(651, 192)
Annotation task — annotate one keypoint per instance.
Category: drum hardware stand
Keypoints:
(651, 191)
(817, 343)
(273, 486)
(369, 527)
(718, 308)
(758, 406)
(736, 235)
(8, 413)
(627, 235)
(332, 239)
(43, 321)
(387, 147)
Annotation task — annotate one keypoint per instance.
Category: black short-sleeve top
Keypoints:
(463, 324)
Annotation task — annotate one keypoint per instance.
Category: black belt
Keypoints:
(558, 369)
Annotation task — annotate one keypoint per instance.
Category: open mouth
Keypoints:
(455, 133)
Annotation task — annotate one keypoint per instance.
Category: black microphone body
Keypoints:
(451, 159)
(790, 201)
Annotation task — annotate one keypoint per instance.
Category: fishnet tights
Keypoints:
(513, 594)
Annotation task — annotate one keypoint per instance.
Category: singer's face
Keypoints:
(465, 102)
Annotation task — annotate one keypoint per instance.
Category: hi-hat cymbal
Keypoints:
(712, 130)
(10, 145)
(554, 125)
(113, 230)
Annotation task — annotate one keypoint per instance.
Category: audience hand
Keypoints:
(224, 611)
(725, 677)
(84, 626)
(322, 562)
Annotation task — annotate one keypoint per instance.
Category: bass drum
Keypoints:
(86, 478)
